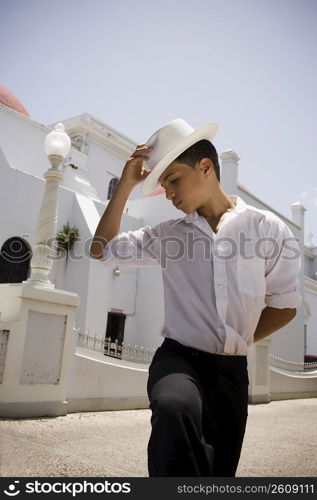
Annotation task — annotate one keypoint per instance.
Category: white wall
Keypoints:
(21, 197)
(290, 386)
(100, 383)
(102, 166)
(22, 141)
(98, 165)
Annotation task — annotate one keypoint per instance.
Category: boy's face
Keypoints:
(188, 188)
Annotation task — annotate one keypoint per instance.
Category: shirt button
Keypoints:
(220, 285)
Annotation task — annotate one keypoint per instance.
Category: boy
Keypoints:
(219, 297)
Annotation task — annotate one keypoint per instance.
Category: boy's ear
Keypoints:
(206, 167)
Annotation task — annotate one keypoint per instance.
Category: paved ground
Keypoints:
(280, 441)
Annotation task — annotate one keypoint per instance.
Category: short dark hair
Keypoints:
(199, 150)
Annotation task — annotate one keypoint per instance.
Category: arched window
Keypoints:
(114, 181)
(15, 256)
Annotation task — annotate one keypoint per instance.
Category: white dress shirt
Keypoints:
(213, 293)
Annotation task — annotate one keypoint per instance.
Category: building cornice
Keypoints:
(100, 133)
(243, 188)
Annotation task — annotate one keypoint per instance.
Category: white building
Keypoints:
(124, 303)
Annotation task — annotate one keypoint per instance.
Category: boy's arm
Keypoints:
(272, 319)
(109, 224)
(282, 295)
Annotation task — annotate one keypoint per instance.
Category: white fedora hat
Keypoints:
(168, 143)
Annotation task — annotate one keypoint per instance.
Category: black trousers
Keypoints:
(199, 404)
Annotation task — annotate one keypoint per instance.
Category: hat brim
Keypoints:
(151, 183)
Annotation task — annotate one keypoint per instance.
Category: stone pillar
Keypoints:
(298, 214)
(37, 343)
(259, 371)
(229, 171)
(298, 217)
(309, 239)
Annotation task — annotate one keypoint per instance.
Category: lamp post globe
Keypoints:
(57, 145)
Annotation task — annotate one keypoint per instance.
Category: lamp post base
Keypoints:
(39, 283)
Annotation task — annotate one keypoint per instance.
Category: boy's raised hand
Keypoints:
(133, 173)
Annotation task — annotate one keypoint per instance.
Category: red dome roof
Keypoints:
(9, 99)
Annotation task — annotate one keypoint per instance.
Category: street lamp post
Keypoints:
(57, 146)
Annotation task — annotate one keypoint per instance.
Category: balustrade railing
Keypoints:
(111, 348)
(292, 366)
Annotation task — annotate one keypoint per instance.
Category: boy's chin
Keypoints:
(184, 209)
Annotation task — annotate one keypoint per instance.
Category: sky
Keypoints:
(248, 65)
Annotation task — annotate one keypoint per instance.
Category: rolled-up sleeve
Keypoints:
(282, 269)
(133, 248)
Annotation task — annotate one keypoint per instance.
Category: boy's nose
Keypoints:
(169, 195)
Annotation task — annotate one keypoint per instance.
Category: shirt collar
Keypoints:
(240, 206)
